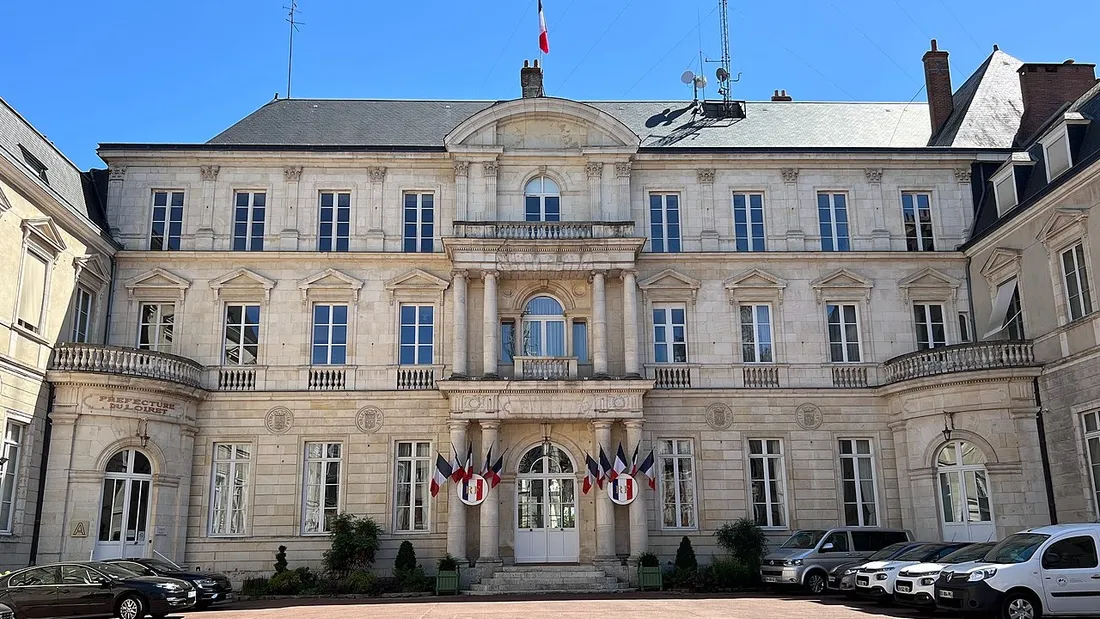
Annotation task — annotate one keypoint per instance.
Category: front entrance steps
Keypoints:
(567, 578)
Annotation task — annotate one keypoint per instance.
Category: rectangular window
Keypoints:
(1057, 156)
(242, 334)
(748, 221)
(1014, 317)
(916, 209)
(766, 478)
(857, 472)
(580, 341)
(13, 442)
(756, 334)
(843, 333)
(832, 214)
(669, 334)
(82, 314)
(330, 334)
(664, 222)
(1092, 452)
(507, 341)
(417, 334)
(677, 473)
(334, 221)
(248, 221)
(1078, 298)
(321, 487)
(1005, 192)
(966, 331)
(414, 464)
(542, 207)
(167, 225)
(419, 222)
(229, 488)
(32, 291)
(156, 329)
(928, 318)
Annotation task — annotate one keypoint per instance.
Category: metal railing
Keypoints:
(959, 358)
(70, 357)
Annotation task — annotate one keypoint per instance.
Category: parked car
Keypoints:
(807, 556)
(6, 612)
(212, 588)
(916, 584)
(1051, 570)
(92, 589)
(875, 579)
(845, 573)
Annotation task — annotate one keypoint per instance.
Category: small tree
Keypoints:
(406, 557)
(685, 556)
(354, 544)
(280, 560)
(744, 540)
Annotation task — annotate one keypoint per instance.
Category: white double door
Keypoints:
(546, 520)
(967, 512)
(123, 519)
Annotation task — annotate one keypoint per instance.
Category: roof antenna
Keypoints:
(293, 8)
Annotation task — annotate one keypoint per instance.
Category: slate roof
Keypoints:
(987, 107)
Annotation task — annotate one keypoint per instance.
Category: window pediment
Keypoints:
(329, 285)
(1064, 225)
(1002, 264)
(91, 270)
(670, 285)
(416, 284)
(157, 284)
(755, 285)
(929, 284)
(242, 284)
(844, 284)
(44, 233)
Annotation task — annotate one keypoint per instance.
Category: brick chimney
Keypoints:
(781, 96)
(1045, 87)
(530, 80)
(937, 83)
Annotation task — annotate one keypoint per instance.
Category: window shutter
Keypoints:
(32, 291)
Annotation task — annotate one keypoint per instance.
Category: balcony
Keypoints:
(959, 358)
(544, 368)
(544, 230)
(673, 375)
(103, 359)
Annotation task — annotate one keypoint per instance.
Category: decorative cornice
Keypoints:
(705, 176)
(462, 169)
(622, 169)
(209, 172)
(962, 175)
(118, 174)
(593, 169)
(293, 173)
(490, 168)
(790, 175)
(874, 175)
(377, 175)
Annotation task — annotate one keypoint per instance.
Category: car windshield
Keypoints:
(888, 552)
(973, 552)
(161, 566)
(116, 572)
(803, 539)
(1016, 548)
(920, 553)
(136, 568)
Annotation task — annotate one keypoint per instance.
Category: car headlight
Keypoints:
(850, 571)
(206, 582)
(978, 575)
(927, 582)
(790, 562)
(169, 586)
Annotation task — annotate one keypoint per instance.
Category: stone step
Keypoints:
(546, 591)
(562, 580)
(564, 567)
(499, 588)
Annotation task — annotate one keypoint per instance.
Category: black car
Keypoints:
(92, 589)
(212, 588)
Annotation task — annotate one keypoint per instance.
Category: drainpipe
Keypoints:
(110, 300)
(1044, 455)
(36, 534)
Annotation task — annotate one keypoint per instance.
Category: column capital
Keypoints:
(622, 169)
(633, 424)
(460, 274)
(594, 169)
(601, 424)
(457, 424)
(628, 273)
(377, 175)
(490, 168)
(209, 172)
(292, 174)
(462, 168)
(489, 424)
(597, 272)
(705, 176)
(489, 274)
(117, 173)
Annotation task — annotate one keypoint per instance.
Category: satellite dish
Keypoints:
(687, 77)
(700, 81)
(722, 74)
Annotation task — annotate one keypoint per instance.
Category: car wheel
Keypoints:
(1020, 605)
(131, 607)
(815, 583)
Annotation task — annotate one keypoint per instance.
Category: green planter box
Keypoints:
(446, 582)
(649, 578)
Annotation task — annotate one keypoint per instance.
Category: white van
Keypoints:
(1051, 570)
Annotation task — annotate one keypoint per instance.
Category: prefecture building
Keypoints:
(813, 313)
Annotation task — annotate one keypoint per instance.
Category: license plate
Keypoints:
(947, 594)
(861, 581)
(903, 589)
(771, 579)
(190, 594)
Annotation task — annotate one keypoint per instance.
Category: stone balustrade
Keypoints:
(671, 375)
(544, 230)
(325, 378)
(416, 377)
(760, 376)
(545, 368)
(99, 358)
(960, 358)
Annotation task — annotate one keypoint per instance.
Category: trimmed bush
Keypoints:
(287, 582)
(255, 587)
(406, 558)
(744, 541)
(685, 556)
(447, 564)
(354, 544)
(726, 574)
(280, 560)
(648, 559)
(361, 582)
(415, 580)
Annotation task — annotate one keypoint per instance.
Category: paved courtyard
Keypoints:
(630, 605)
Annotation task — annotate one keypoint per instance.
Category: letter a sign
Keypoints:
(623, 490)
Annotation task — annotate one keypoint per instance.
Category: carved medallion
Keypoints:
(719, 416)
(278, 420)
(369, 419)
(808, 416)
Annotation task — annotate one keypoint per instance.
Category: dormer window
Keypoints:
(35, 164)
(542, 200)
(1005, 190)
(1056, 153)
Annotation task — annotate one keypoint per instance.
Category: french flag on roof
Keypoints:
(544, 37)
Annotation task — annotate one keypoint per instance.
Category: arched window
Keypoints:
(966, 510)
(542, 200)
(543, 328)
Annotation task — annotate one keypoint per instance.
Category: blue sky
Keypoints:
(172, 71)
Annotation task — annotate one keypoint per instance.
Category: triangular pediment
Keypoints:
(417, 279)
(842, 278)
(92, 266)
(927, 282)
(1061, 221)
(242, 280)
(157, 281)
(1000, 259)
(46, 232)
(330, 280)
(755, 278)
(669, 279)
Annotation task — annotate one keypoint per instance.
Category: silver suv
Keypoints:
(808, 556)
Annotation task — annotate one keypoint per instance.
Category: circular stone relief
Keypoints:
(808, 416)
(278, 420)
(369, 419)
(580, 290)
(719, 416)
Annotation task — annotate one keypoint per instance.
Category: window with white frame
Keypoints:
(1076, 277)
(543, 328)
(83, 307)
(1092, 452)
(541, 200)
(832, 215)
(767, 482)
(230, 477)
(928, 320)
(677, 474)
(664, 222)
(411, 504)
(1056, 153)
(248, 220)
(756, 334)
(1007, 313)
(857, 475)
(156, 326)
(334, 221)
(242, 334)
(321, 486)
(33, 284)
(843, 322)
(167, 221)
(13, 446)
(966, 331)
(1004, 190)
(330, 334)
(748, 221)
(419, 222)
(916, 210)
(669, 333)
(417, 334)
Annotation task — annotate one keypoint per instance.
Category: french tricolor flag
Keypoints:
(544, 37)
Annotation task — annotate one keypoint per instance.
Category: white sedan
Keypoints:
(875, 580)
(916, 585)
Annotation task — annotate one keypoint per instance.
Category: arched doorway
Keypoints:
(966, 509)
(546, 507)
(124, 507)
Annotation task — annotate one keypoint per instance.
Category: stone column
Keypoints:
(796, 237)
(639, 527)
(599, 324)
(462, 178)
(709, 234)
(456, 509)
(490, 168)
(204, 236)
(489, 327)
(879, 234)
(605, 509)
(458, 363)
(622, 190)
(630, 323)
(288, 236)
(490, 514)
(375, 228)
(116, 177)
(594, 171)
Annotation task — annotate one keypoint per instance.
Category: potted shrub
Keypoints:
(649, 572)
(446, 578)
